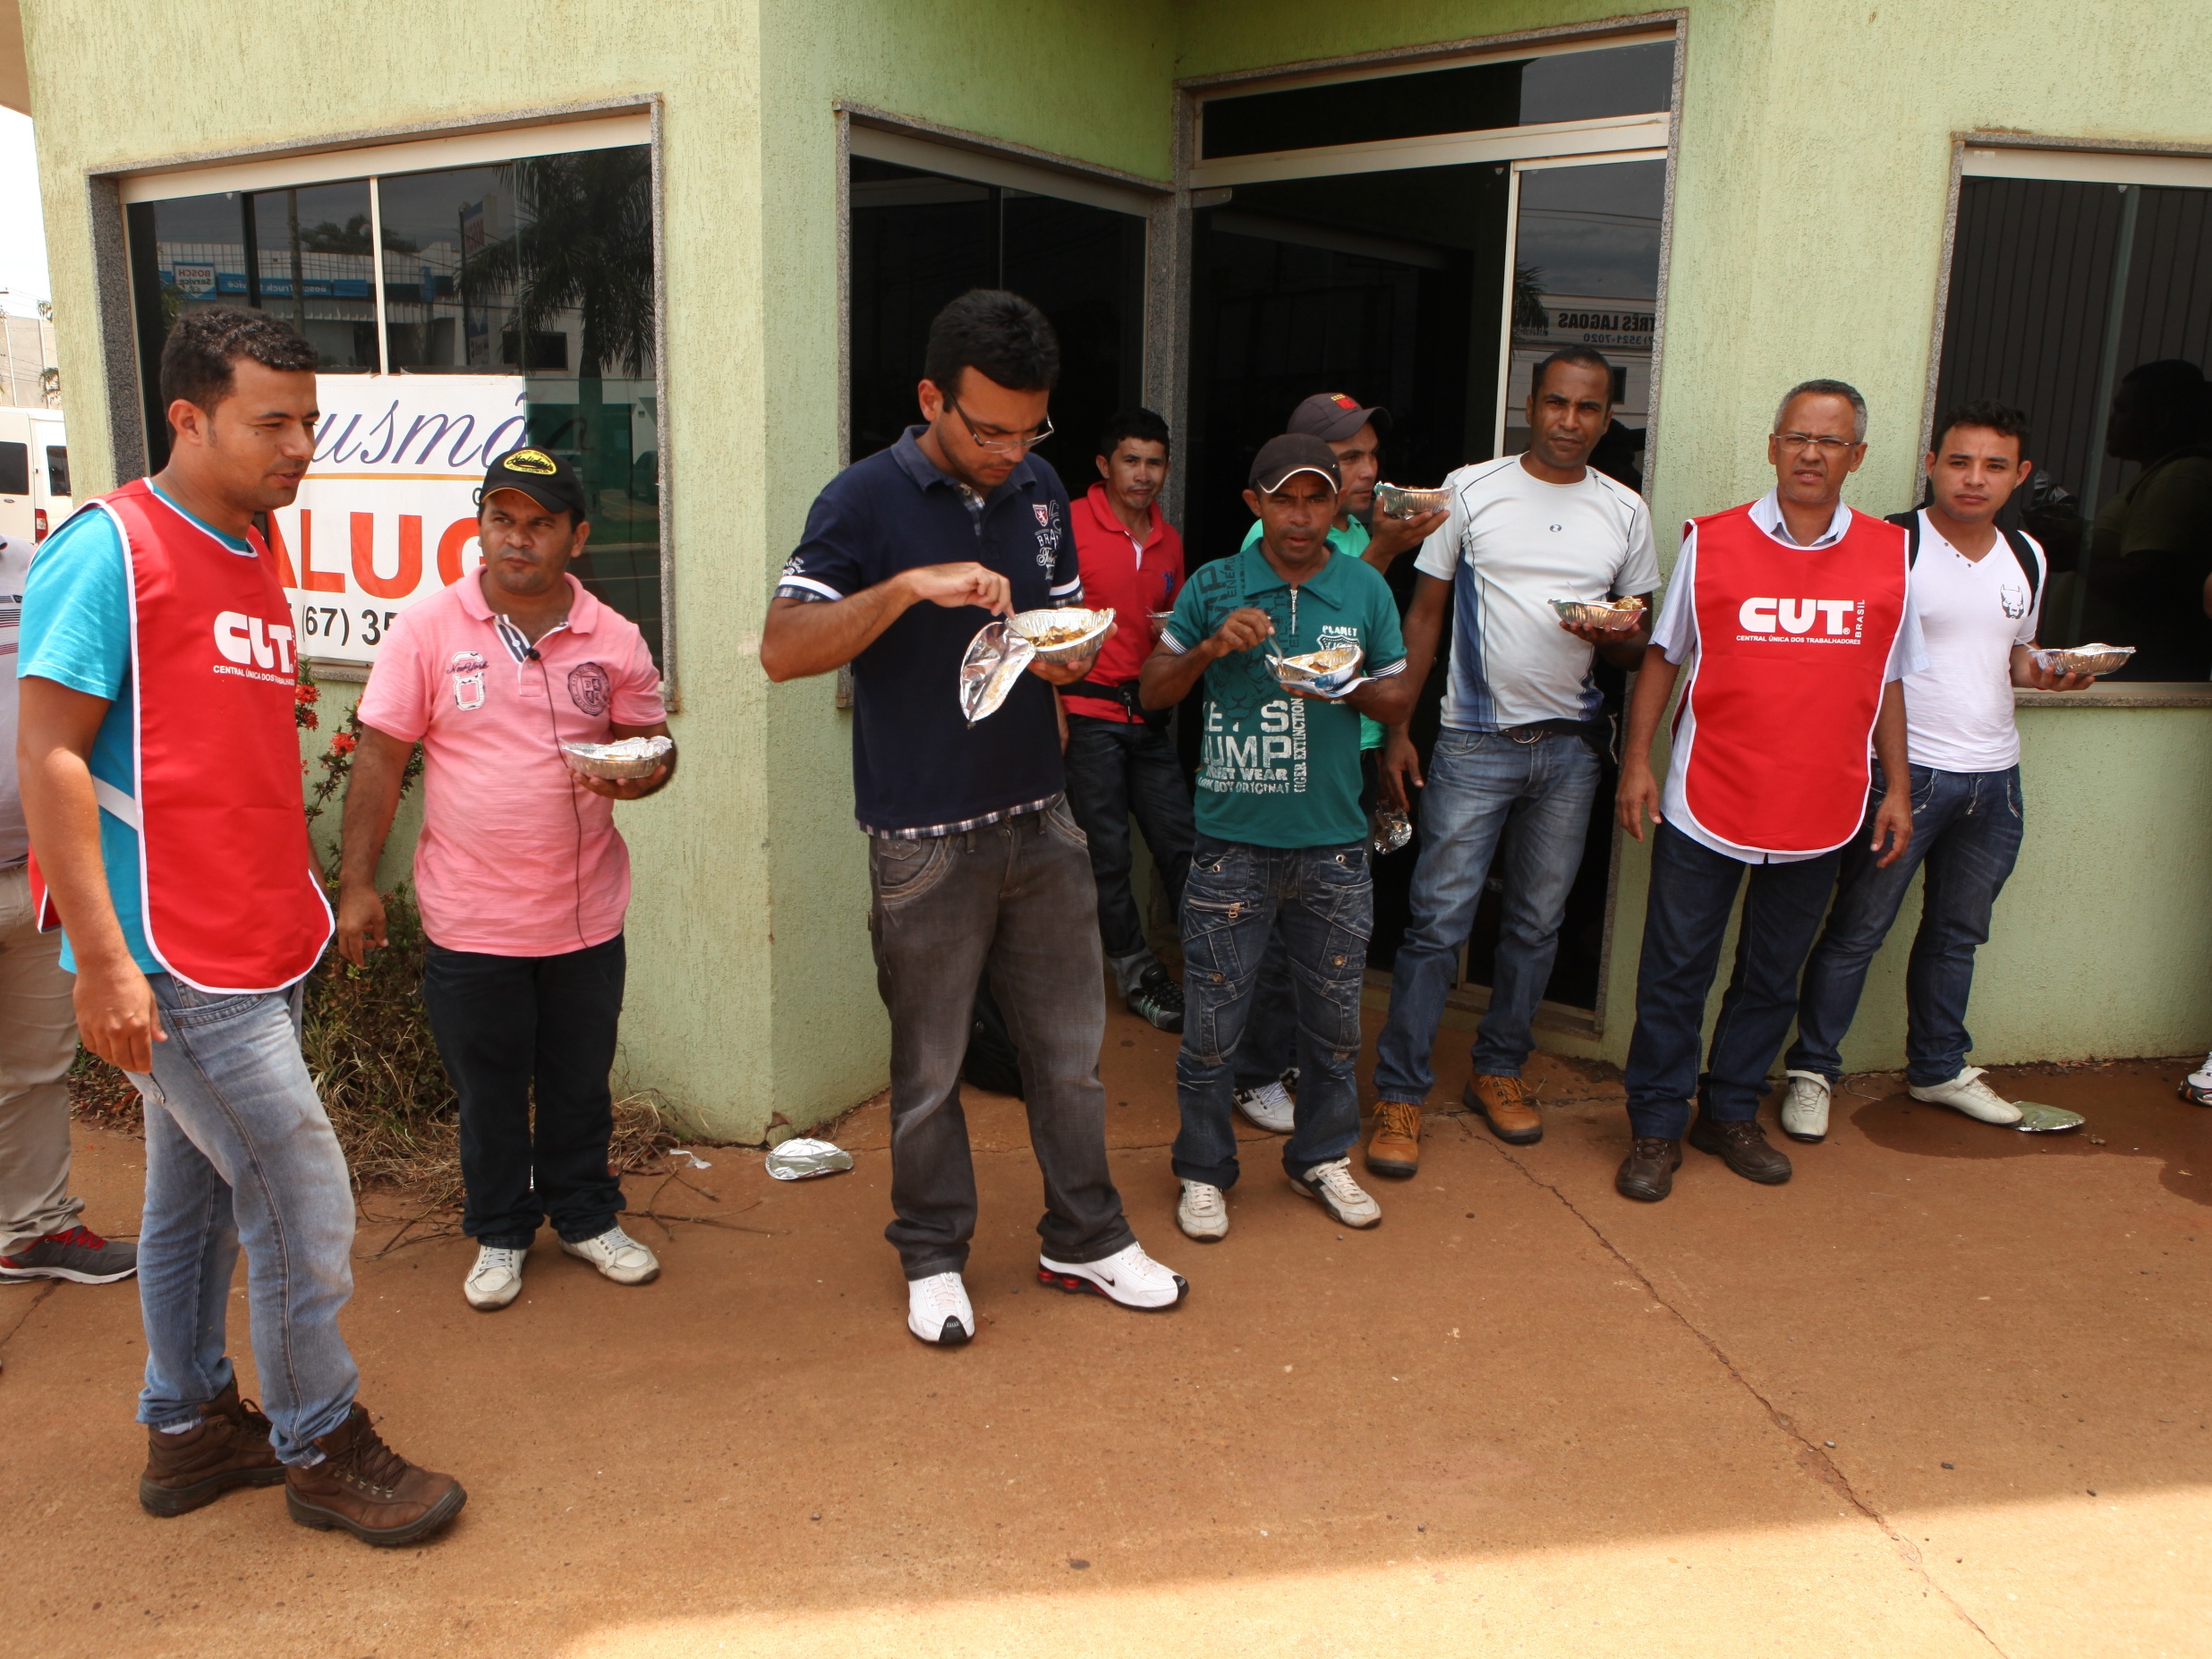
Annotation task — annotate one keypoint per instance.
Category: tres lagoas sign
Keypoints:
(387, 512)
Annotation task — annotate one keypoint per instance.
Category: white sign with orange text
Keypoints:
(387, 512)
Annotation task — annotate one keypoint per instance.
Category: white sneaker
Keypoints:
(937, 1310)
(1966, 1092)
(1805, 1107)
(1128, 1277)
(496, 1280)
(2196, 1087)
(1339, 1195)
(1202, 1212)
(1270, 1106)
(618, 1256)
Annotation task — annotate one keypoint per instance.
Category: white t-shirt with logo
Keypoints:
(1959, 709)
(1511, 544)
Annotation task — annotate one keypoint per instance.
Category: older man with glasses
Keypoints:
(974, 858)
(1794, 615)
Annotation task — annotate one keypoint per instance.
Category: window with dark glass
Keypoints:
(15, 468)
(2090, 307)
(57, 470)
(540, 267)
(1471, 97)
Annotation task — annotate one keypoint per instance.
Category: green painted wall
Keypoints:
(1815, 150)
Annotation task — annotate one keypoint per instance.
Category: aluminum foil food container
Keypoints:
(2035, 1118)
(2099, 659)
(1397, 501)
(1614, 616)
(800, 1160)
(1389, 829)
(995, 659)
(631, 757)
(1063, 635)
(1328, 670)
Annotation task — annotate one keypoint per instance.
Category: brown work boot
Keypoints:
(1394, 1148)
(1742, 1147)
(1647, 1173)
(1505, 1103)
(370, 1490)
(227, 1446)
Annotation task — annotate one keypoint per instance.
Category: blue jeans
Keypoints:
(1115, 769)
(1966, 828)
(238, 1151)
(1485, 788)
(1236, 895)
(1693, 888)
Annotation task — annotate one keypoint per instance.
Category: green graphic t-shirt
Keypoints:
(1351, 540)
(1275, 769)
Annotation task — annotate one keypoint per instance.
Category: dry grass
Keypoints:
(368, 1046)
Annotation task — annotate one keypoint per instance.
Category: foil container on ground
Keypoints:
(2098, 659)
(631, 757)
(2035, 1118)
(1397, 501)
(802, 1160)
(1389, 829)
(1616, 619)
(1329, 670)
(995, 659)
(1037, 626)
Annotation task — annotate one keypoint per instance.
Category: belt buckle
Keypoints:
(1525, 735)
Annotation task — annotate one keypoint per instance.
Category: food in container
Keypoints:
(1063, 635)
(2098, 659)
(1397, 501)
(1614, 616)
(995, 659)
(630, 757)
(1330, 670)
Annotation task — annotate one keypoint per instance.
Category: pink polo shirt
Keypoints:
(515, 858)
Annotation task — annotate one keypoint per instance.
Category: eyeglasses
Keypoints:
(1826, 443)
(998, 442)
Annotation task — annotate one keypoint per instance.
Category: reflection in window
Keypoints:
(2090, 307)
(1473, 98)
(540, 267)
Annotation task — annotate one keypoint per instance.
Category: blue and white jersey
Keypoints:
(1510, 544)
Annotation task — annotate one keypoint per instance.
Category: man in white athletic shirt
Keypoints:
(1977, 593)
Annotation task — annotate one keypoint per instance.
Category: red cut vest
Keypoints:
(1773, 734)
(233, 902)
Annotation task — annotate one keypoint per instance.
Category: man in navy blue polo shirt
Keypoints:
(974, 857)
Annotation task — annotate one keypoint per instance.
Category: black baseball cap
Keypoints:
(1282, 459)
(540, 475)
(1332, 417)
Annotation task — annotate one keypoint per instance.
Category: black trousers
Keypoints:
(1116, 768)
(504, 1024)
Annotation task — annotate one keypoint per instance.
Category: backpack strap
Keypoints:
(2030, 566)
(1909, 523)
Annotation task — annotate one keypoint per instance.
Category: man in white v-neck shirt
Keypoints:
(1977, 593)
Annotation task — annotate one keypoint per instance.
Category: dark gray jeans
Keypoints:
(1018, 897)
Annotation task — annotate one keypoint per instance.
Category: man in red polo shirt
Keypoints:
(1120, 759)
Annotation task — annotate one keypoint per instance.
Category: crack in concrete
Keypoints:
(47, 1289)
(1811, 1457)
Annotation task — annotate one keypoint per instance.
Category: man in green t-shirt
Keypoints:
(1281, 836)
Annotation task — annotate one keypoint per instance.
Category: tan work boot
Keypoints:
(364, 1486)
(1394, 1148)
(1505, 1103)
(227, 1446)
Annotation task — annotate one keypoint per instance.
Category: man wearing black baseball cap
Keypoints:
(1281, 835)
(521, 875)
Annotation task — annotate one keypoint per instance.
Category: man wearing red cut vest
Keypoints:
(1795, 615)
(160, 774)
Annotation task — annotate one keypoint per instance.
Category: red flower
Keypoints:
(343, 743)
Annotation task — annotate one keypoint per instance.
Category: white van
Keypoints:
(34, 473)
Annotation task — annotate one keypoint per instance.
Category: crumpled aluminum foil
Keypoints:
(995, 659)
(2035, 1118)
(798, 1160)
(1390, 830)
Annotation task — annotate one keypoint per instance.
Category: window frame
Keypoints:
(423, 147)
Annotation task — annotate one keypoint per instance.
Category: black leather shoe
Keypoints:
(1742, 1147)
(1647, 1173)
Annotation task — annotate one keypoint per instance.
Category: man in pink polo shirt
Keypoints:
(1120, 759)
(521, 878)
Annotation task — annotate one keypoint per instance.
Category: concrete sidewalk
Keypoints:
(1945, 1393)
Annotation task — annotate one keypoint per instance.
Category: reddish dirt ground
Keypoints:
(1945, 1393)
